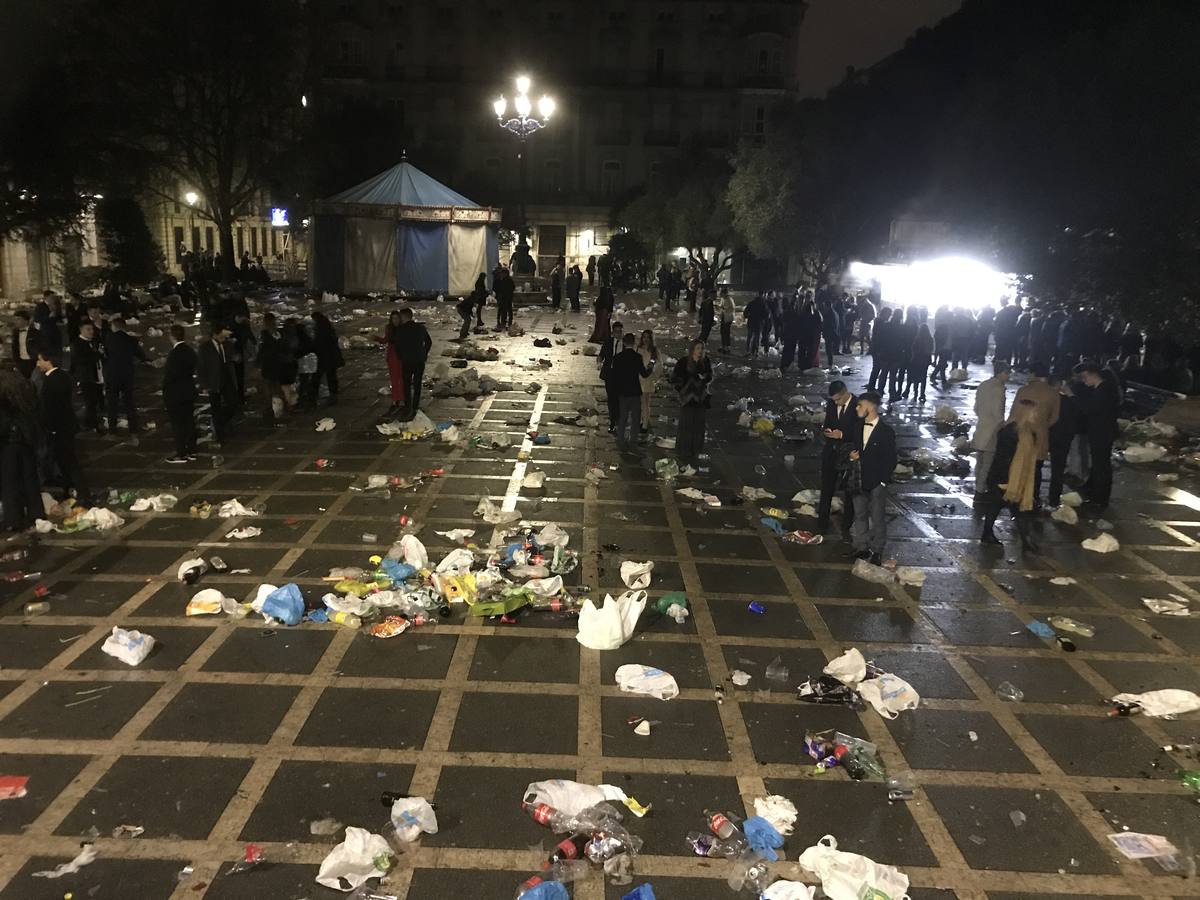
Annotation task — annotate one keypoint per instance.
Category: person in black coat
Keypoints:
(875, 454)
(87, 366)
(412, 342)
(692, 379)
(556, 283)
(882, 355)
(840, 429)
(179, 396)
(756, 314)
(243, 345)
(1062, 435)
(122, 353)
(20, 437)
(1100, 403)
(270, 362)
(608, 352)
(708, 315)
(329, 357)
(218, 379)
(61, 426)
(625, 380)
(504, 288)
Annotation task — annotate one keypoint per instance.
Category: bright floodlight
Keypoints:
(523, 105)
(304, 100)
(546, 107)
(191, 197)
(950, 281)
(522, 84)
(500, 106)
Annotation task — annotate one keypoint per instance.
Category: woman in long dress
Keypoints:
(692, 377)
(649, 354)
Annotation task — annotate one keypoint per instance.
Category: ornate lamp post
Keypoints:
(522, 123)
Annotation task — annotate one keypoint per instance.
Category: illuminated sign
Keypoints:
(279, 218)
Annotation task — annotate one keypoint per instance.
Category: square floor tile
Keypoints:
(1171, 815)
(674, 888)
(32, 646)
(927, 671)
(730, 578)
(782, 619)
(949, 589)
(1184, 632)
(879, 624)
(839, 583)
(1050, 838)
(171, 599)
(679, 803)
(301, 792)
(219, 713)
(734, 546)
(170, 796)
(476, 884)
(46, 715)
(91, 598)
(970, 626)
(887, 832)
(1138, 677)
(290, 651)
(685, 662)
(1114, 635)
(369, 717)
(516, 723)
(800, 663)
(125, 559)
(1039, 591)
(519, 658)
(687, 729)
(48, 774)
(1041, 680)
(292, 881)
(462, 791)
(777, 729)
(182, 529)
(173, 644)
(941, 739)
(1111, 747)
(665, 577)
(146, 879)
(423, 654)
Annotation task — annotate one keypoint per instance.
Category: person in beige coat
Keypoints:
(990, 403)
(1048, 402)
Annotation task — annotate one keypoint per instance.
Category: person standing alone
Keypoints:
(122, 352)
(61, 426)
(412, 346)
(219, 380)
(179, 396)
(876, 458)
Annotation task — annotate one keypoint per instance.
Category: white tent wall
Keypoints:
(370, 255)
(468, 257)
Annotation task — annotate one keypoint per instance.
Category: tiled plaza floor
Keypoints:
(232, 733)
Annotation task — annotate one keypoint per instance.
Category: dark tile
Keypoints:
(781, 619)
(800, 663)
(1184, 632)
(301, 792)
(684, 661)
(1114, 634)
(32, 646)
(245, 483)
(125, 559)
(987, 627)
(687, 729)
(369, 717)
(1171, 815)
(90, 598)
(170, 600)
(1139, 677)
(1094, 746)
(653, 543)
(182, 528)
(516, 723)
(734, 546)
(170, 796)
(839, 583)
(887, 833)
(46, 716)
(777, 729)
(192, 714)
(462, 791)
(476, 884)
(291, 651)
(298, 504)
(173, 644)
(1041, 680)
(679, 802)
(885, 624)
(1039, 591)
(949, 589)
(728, 578)
(370, 657)
(941, 739)
(1173, 562)
(919, 553)
(503, 658)
(283, 880)
(1023, 895)
(146, 879)
(928, 672)
(674, 888)
(1050, 838)
(48, 775)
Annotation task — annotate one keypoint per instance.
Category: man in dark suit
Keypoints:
(413, 343)
(179, 396)
(218, 379)
(58, 418)
(122, 353)
(841, 436)
(87, 359)
(608, 352)
(625, 377)
(876, 455)
(1099, 400)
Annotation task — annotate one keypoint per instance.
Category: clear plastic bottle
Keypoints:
(776, 670)
(348, 619)
(901, 785)
(720, 824)
(1066, 623)
(1006, 690)
(749, 873)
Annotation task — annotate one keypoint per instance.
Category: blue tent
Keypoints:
(401, 230)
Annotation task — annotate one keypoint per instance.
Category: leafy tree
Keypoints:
(133, 256)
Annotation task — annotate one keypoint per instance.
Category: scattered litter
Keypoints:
(1166, 703)
(457, 535)
(244, 533)
(130, 647)
(12, 787)
(636, 575)
(1178, 605)
(1063, 580)
(1006, 690)
(128, 831)
(1102, 543)
(411, 816)
(850, 876)
(1144, 453)
(231, 508)
(157, 503)
(740, 678)
(1065, 623)
(326, 424)
(638, 679)
(534, 480)
(1167, 476)
(779, 811)
(1041, 629)
(1142, 846)
(493, 514)
(324, 827)
(945, 414)
(1065, 514)
(1018, 818)
(1071, 498)
(360, 857)
(610, 626)
(789, 890)
(642, 728)
(85, 857)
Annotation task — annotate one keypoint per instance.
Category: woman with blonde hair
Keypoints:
(1011, 481)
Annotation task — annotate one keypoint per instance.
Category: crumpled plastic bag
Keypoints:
(808, 495)
(889, 694)
(419, 424)
(231, 508)
(545, 587)
(571, 797)
(130, 647)
(762, 836)
(1065, 514)
(870, 572)
(1144, 453)
(849, 668)
(493, 514)
(850, 876)
(84, 857)
(611, 625)
(1071, 498)
(945, 413)
(756, 493)
(413, 552)
(285, 604)
(534, 480)
(1157, 704)
(553, 536)
(360, 857)
(789, 890)
(458, 535)
(158, 503)
(411, 816)
(449, 435)
(1102, 543)
(1178, 605)
(191, 569)
(547, 890)
(637, 679)
(244, 533)
(958, 375)
(458, 561)
(326, 424)
(636, 575)
(779, 811)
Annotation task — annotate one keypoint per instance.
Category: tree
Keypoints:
(133, 256)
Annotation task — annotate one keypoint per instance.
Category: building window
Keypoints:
(350, 52)
(553, 175)
(660, 61)
(254, 242)
(241, 242)
(180, 246)
(264, 241)
(611, 178)
(208, 238)
(274, 241)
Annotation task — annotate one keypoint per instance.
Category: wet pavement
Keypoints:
(233, 733)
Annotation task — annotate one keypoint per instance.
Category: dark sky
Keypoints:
(840, 33)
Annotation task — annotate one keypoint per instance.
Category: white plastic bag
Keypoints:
(553, 536)
(610, 626)
(449, 435)
(361, 856)
(945, 414)
(1102, 543)
(636, 575)
(1065, 514)
(457, 562)
(1144, 453)
(889, 694)
(849, 876)
(1071, 498)
(789, 890)
(493, 514)
(873, 573)
(636, 679)
(1167, 702)
(571, 797)
(534, 480)
(849, 668)
(231, 508)
(808, 495)
(779, 811)
(158, 503)
(545, 587)
(411, 816)
(130, 647)
(326, 424)
(414, 552)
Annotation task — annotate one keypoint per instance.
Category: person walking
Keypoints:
(395, 367)
(412, 344)
(708, 315)
(625, 379)
(649, 354)
(329, 358)
(179, 396)
(840, 431)
(271, 362)
(728, 314)
(990, 402)
(691, 379)
(1100, 404)
(20, 437)
(466, 309)
(608, 353)
(1012, 476)
(214, 364)
(875, 455)
(87, 368)
(61, 426)
(122, 353)
(24, 343)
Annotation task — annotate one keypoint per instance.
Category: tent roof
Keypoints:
(402, 185)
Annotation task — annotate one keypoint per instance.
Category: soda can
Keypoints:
(755, 607)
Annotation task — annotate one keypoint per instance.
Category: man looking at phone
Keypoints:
(841, 429)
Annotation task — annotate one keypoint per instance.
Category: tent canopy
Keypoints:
(403, 185)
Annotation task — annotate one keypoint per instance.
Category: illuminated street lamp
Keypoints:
(522, 123)
(191, 198)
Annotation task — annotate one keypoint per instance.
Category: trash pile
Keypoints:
(851, 681)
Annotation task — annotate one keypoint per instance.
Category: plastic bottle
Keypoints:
(755, 607)
(776, 670)
(1006, 690)
(37, 608)
(348, 619)
(750, 873)
(545, 814)
(719, 824)
(901, 785)
(568, 848)
(15, 555)
(1068, 624)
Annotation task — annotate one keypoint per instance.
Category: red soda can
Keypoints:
(41, 591)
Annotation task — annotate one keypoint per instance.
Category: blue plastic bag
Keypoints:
(396, 570)
(772, 524)
(762, 836)
(285, 604)
(641, 892)
(547, 890)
